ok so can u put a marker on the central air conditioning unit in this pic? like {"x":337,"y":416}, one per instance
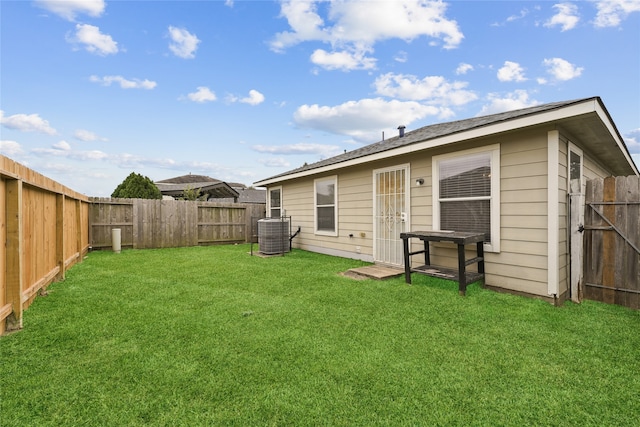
{"x":273,"y":235}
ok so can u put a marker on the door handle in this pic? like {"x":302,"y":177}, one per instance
{"x":580,"y":228}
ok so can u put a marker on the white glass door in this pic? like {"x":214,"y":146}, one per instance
{"x":391,"y":213}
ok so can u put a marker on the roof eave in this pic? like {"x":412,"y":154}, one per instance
{"x":586,"y":106}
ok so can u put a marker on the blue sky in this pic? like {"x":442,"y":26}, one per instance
{"x":91,"y":91}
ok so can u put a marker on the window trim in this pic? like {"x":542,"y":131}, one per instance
{"x":494,"y":200}
{"x":334,"y":179}
{"x":279,"y":187}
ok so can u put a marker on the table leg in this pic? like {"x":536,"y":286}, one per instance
{"x":407,"y":260}
{"x":427,"y":256}
{"x":462,"y":274}
{"x":480,"y":252}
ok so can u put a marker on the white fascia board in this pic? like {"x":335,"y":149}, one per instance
{"x":585,"y":107}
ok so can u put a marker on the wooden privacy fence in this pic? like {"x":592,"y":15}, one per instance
{"x":44,"y":227}
{"x":612,"y":241}
{"x":147,"y":224}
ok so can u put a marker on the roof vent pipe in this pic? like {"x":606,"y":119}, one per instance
{"x":401,"y":129}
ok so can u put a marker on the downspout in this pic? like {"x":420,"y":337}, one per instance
{"x":292,"y":236}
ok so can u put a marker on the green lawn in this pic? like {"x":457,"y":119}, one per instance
{"x":209,"y":336}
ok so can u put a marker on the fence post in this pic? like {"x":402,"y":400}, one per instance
{"x":78,"y":220}
{"x":609,"y":242}
{"x":14,"y":253}
{"x":60,"y":250}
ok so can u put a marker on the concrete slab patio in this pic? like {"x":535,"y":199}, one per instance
{"x":379,"y":272}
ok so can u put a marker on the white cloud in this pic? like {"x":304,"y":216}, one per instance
{"x":300,"y":148}
{"x":228,"y":3}
{"x":567,"y":17}
{"x":124,"y":83}
{"x":69,"y":9}
{"x":612,"y":12}
{"x":93,"y":40}
{"x":10,"y":148}
{"x":523,"y":13}
{"x":87,"y":136}
{"x":278,"y":162}
{"x":303,"y":20}
{"x":343,"y":60}
{"x":511,"y":72}
{"x":364,"y":120}
{"x":561,"y":69}
{"x":203,"y":94}
{"x":512,"y":101}
{"x":254,"y":98}
{"x":27,"y":123}
{"x":62,"y":145}
{"x":464,"y":68}
{"x":353,"y":27}
{"x":433,"y":89}
{"x":401,"y":57}
{"x":632,"y":141}
{"x":59,"y":150}
{"x":183,"y":43}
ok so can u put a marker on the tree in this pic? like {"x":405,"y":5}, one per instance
{"x":136,"y":186}
{"x":193,"y":194}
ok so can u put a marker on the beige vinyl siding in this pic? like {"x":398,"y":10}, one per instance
{"x":522,"y":263}
{"x":297,"y":201}
{"x":355,"y":214}
{"x":593,"y":169}
{"x":421,"y":196}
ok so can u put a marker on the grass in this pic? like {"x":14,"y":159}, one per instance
{"x":212,"y":336}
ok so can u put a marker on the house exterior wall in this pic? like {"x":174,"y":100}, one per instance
{"x":522,"y":265}
{"x":354,"y":214}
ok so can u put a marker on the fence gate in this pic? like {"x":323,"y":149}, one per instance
{"x":612,"y":241}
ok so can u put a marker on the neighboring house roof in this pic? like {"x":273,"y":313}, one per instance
{"x":585,"y":119}
{"x":188,"y":179}
{"x":236,"y":185}
{"x":251,"y":195}
{"x":216,"y":190}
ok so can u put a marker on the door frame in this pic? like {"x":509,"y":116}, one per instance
{"x":575,"y":227}
{"x":405,"y":215}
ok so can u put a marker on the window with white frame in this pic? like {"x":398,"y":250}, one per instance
{"x":326,"y":206}
{"x":467,"y":193}
{"x":275,"y":202}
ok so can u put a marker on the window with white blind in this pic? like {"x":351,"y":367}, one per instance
{"x":467,"y":193}
{"x":326,"y":206}
{"x":275,"y":202}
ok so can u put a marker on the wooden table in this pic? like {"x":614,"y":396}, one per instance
{"x":462,"y":276}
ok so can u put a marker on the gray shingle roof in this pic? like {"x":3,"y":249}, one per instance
{"x":431,"y":132}
{"x":250,"y":195}
{"x":215,"y":189}
{"x":188,"y":179}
